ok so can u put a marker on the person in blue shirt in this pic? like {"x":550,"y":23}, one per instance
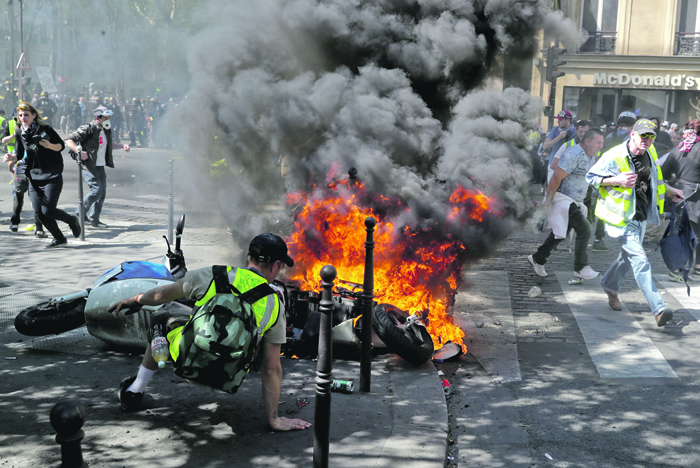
{"x":559,"y":134}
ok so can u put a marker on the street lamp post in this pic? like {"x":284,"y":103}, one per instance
{"x":11,"y":23}
{"x":20,"y":88}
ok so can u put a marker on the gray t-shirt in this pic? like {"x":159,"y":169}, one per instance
{"x":196,"y":284}
{"x":576,"y":163}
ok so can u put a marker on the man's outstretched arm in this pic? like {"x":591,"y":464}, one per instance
{"x":271,"y":372}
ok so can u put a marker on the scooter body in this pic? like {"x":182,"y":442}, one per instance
{"x":90,"y":306}
{"x":125,"y":280}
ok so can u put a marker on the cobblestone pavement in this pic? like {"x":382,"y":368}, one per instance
{"x":560,"y":379}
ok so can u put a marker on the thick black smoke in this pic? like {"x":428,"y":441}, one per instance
{"x":386,"y":87}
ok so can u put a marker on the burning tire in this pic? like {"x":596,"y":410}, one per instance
{"x":51,"y":318}
{"x":390,"y":324}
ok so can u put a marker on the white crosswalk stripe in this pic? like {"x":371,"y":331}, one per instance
{"x":618,"y":344}
{"x":484,"y":313}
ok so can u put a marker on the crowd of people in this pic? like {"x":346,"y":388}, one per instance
{"x":619,"y":178}
{"x":91,"y":119}
{"x":35,"y":160}
{"x":136,"y":119}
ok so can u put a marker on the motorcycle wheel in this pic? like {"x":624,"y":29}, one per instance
{"x":388,"y":323}
{"x":49,"y":318}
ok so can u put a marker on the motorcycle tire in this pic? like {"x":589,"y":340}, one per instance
{"x":51,"y":319}
{"x":387,"y":321}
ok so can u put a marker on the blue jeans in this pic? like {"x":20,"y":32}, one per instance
{"x":97,"y":182}
{"x":633,"y":257}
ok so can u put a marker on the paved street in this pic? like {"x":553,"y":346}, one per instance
{"x":181,"y":425}
{"x":563,"y":375}
{"x":558,"y":375}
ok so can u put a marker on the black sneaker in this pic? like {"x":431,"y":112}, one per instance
{"x":128,"y":401}
{"x":56,"y":243}
{"x":41,"y":234}
{"x":98,"y":225}
{"x":14,"y":227}
{"x":75,"y":226}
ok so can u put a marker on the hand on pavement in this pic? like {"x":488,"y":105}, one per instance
{"x":284,"y":424}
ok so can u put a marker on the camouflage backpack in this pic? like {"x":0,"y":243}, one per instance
{"x":221,"y":340}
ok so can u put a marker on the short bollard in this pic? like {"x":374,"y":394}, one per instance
{"x":67,"y":418}
{"x":324,"y":371}
{"x":367,"y":304}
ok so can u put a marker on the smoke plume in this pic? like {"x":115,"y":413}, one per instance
{"x":312,"y":87}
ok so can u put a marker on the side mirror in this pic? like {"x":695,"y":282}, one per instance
{"x":180,"y":226}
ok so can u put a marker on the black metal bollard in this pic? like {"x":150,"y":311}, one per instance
{"x":68,"y":418}
{"x":81,"y":206}
{"x":367,"y":302}
{"x":324,"y":367}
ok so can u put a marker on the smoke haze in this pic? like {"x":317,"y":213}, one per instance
{"x":390,"y":88}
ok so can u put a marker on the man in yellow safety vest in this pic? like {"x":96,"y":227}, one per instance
{"x":631,"y":192}
{"x":267,"y":255}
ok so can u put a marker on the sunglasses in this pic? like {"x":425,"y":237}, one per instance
{"x":689,"y":130}
{"x":647,"y":136}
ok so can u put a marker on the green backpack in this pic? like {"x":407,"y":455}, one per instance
{"x":221,"y":340}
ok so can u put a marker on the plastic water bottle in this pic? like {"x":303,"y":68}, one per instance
{"x":159,"y":346}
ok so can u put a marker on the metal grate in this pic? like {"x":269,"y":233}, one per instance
{"x":599,"y":42}
{"x":688,"y":44}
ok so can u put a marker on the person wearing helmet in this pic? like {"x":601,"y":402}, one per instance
{"x":137,"y":123}
{"x":47,"y":107}
{"x":96,"y":140}
{"x":625,"y":121}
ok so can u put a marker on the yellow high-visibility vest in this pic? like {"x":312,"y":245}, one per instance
{"x":615,"y":203}
{"x":265,"y":310}
{"x":11,"y":125}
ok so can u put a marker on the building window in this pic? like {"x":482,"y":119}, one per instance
{"x":688,"y":29}
{"x":599,"y":25}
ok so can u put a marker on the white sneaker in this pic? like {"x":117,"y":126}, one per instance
{"x":586,"y":273}
{"x":539,"y":269}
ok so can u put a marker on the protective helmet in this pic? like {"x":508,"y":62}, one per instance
{"x":44,"y":93}
{"x":627,"y":114}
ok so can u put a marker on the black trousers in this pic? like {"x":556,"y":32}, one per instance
{"x":44,"y":195}
{"x":582,"y":227}
{"x":20,"y":186}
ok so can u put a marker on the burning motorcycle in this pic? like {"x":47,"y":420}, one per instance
{"x":402,"y":333}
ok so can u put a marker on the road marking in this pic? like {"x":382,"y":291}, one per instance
{"x":680,"y":292}
{"x":618,"y":344}
{"x":483,"y":310}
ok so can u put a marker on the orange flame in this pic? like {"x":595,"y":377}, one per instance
{"x":414,"y":269}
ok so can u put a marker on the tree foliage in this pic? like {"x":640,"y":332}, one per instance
{"x":112,"y":41}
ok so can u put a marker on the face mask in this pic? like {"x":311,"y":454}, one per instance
{"x":107,"y":124}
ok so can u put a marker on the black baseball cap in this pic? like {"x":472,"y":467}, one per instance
{"x":643,"y":126}
{"x":269,"y":248}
